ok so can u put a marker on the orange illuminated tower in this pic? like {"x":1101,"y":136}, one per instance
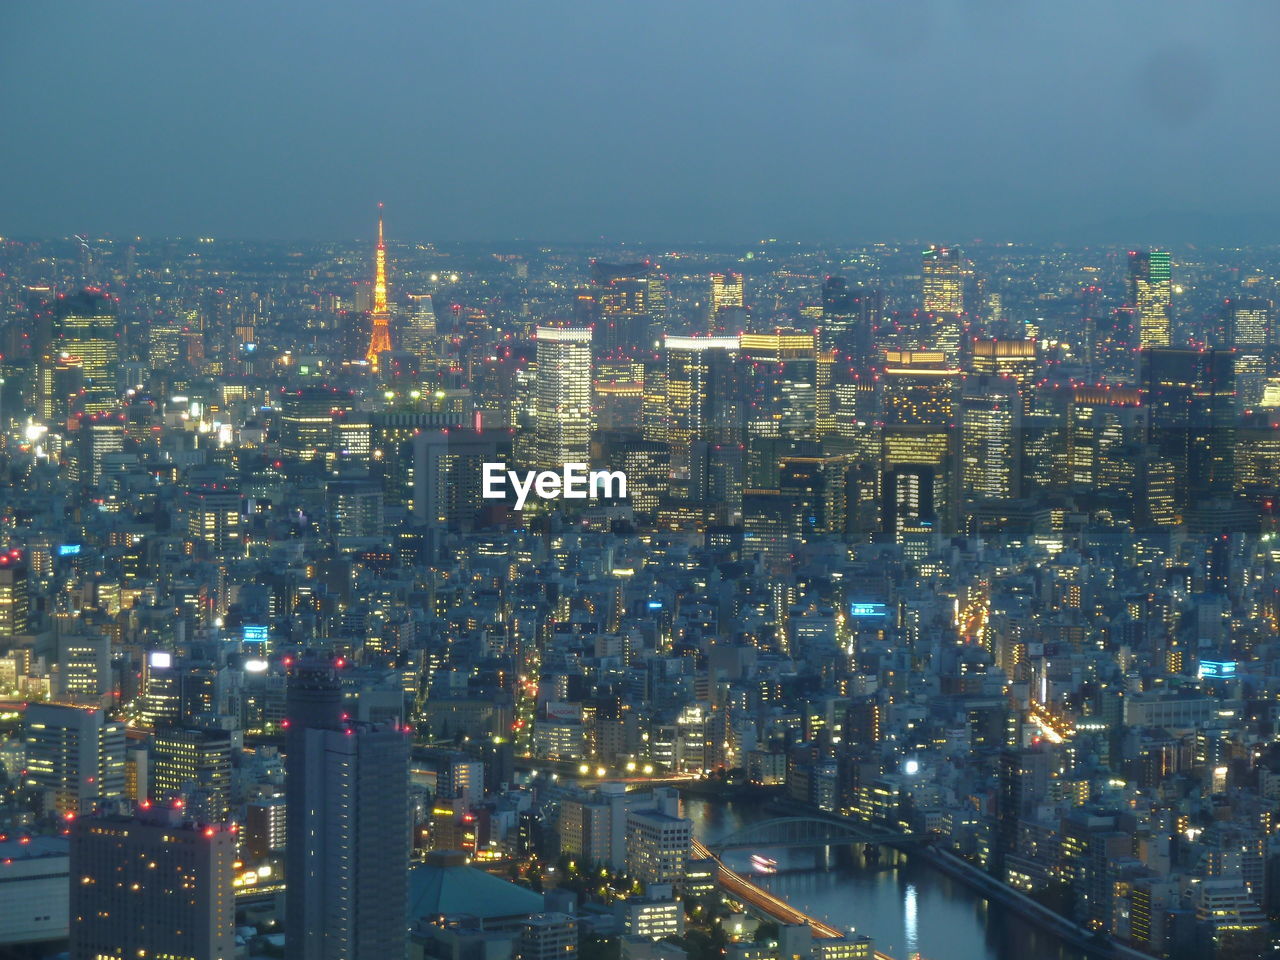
{"x":380,"y":334}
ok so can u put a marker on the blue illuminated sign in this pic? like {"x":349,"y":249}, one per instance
{"x":68,"y":549}
{"x":868,"y":610}
{"x":1217,"y":669}
{"x":255,"y":633}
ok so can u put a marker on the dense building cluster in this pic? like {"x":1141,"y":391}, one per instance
{"x":975,"y":547}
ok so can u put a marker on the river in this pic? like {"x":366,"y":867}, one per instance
{"x":904,"y":904}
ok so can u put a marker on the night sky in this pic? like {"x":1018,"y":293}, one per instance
{"x":656,"y":121}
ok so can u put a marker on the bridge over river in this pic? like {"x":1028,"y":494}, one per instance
{"x":761,"y":901}
{"x":808,"y":830}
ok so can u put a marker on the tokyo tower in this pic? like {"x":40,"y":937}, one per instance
{"x":380,"y":334}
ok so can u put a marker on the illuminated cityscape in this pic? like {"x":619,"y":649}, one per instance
{"x":874,"y":593}
{"x":1004,"y":608}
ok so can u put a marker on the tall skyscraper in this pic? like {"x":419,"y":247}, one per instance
{"x":919,"y":438}
{"x":75,"y":757}
{"x":166,"y":346}
{"x":60,"y":380}
{"x":1151,"y":296}
{"x":1016,"y":360}
{"x":1248,"y":330}
{"x":782,"y":378}
{"x":622,"y":294}
{"x":448,"y":476}
{"x":98,"y":435}
{"x":306,"y":420}
{"x":942,"y":294}
{"x":420,"y":329}
{"x":213,"y":519}
{"x":562,"y":397}
{"x":1111,"y":341}
{"x":990,"y":440}
{"x":1192,"y":402}
{"x":347,"y":793}
{"x":942,"y":280}
{"x":702,"y":398}
{"x":161,"y":690}
{"x":86,"y":326}
{"x":728,"y":297}
{"x":380,"y":317}
{"x":837,"y":304}
{"x":391,"y":450}
{"x":156,"y":885}
{"x":850,"y":316}
{"x":1102,"y":427}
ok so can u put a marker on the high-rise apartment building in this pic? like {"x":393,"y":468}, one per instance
{"x":157,"y":885}
{"x":15,"y":594}
{"x":84,"y":666}
{"x":213,"y":519}
{"x":75,"y":757}
{"x":347,"y":795}
{"x":658,"y":840}
{"x":265,"y":826}
{"x":595,"y":828}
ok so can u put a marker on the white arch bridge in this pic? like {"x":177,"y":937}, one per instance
{"x":808,"y":831}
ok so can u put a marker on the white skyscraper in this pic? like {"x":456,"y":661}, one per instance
{"x":562,"y":396}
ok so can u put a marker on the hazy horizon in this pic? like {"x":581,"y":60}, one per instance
{"x":576,"y":122}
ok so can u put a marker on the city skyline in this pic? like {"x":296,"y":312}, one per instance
{"x":681,"y":481}
{"x":939,"y":548}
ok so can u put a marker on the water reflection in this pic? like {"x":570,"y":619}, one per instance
{"x":910,"y":919}
{"x":904,"y":904}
